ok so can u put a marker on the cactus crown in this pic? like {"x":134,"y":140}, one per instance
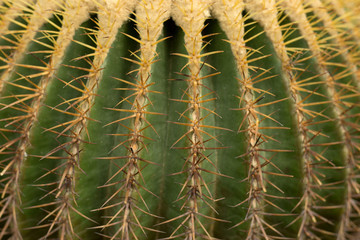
{"x":192,"y":119}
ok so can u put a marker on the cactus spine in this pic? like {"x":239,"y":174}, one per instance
{"x":179,"y":119}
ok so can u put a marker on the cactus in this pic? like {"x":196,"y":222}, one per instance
{"x":179,"y":119}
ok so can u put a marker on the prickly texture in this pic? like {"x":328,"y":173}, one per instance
{"x":173,"y":119}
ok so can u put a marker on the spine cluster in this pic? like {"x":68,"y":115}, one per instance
{"x":319,"y":64}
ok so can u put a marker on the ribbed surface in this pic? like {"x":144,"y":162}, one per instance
{"x":196,"y":119}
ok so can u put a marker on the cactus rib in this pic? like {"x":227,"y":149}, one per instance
{"x":118,"y":119}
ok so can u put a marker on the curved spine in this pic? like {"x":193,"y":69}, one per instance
{"x":297,"y":14}
{"x":11,"y":192}
{"x":338,"y":37}
{"x":266,"y":13}
{"x":12,"y":10}
{"x":43,"y":10}
{"x":150,"y":16}
{"x":111,"y":17}
{"x":233,"y":24}
{"x":190,"y":16}
{"x":47,"y":73}
{"x":348,"y":14}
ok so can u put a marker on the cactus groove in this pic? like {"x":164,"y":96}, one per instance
{"x":179,"y":119}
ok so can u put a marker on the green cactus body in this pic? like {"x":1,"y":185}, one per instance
{"x":179,"y":119}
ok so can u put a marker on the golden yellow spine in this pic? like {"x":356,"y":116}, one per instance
{"x":43,"y":10}
{"x":190,"y":16}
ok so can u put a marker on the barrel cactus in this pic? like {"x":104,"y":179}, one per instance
{"x":179,"y":119}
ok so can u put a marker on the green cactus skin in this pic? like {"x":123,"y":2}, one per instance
{"x":179,"y":119}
